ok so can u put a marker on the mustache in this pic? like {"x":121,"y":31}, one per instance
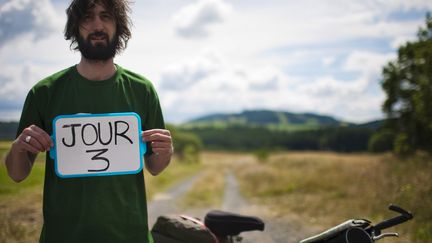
{"x":98,"y":34}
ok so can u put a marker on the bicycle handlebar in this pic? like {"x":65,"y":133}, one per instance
{"x":405,"y":216}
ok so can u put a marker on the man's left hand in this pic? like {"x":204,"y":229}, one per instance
{"x":160,"y":141}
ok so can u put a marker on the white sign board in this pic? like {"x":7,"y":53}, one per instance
{"x":97,"y":144}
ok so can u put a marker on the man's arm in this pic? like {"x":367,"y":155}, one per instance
{"x":19,"y":161}
{"x":161,"y":143}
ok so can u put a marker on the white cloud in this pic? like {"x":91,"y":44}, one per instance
{"x":183,"y":75}
{"x":15,"y":81}
{"x":327,"y":61}
{"x":31,"y":47}
{"x":351,"y":100}
{"x":194,"y":20}
{"x":266,"y":78}
{"x":401,"y":40}
{"x":402,"y":5}
{"x":369,"y":64}
{"x":18,"y":17}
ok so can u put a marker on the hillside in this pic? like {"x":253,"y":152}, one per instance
{"x":274,"y":130}
{"x":8,"y":130}
{"x":278,"y":120}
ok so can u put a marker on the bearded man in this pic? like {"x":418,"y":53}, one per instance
{"x":97,"y":208}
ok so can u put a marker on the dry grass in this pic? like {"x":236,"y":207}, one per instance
{"x":327,"y":188}
{"x":207,"y":191}
{"x":20,"y":203}
{"x":174,"y":173}
{"x":323,"y":189}
{"x":21,"y":218}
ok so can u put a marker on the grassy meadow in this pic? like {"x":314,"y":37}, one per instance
{"x":322,"y":189}
{"x":20,"y":204}
{"x":325,"y":189}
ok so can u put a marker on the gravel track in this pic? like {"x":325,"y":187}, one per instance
{"x":277,"y":229}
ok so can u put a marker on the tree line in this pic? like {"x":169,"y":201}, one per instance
{"x":244,"y":138}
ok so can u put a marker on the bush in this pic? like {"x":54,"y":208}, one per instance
{"x":262,"y":154}
{"x":381,"y":141}
{"x":187,"y":146}
{"x":190,"y":154}
{"x":402,"y":146}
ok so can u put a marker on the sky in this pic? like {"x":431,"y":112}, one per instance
{"x":227,"y":56}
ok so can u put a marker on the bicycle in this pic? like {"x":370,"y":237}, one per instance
{"x":226,"y":227}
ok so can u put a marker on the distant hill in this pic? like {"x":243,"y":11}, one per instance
{"x":372,"y":124}
{"x":278,"y":120}
{"x":279,"y":130}
{"x":274,"y":120}
{"x":8,"y":130}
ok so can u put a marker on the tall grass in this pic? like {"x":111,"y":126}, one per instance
{"x":324,"y":189}
{"x":327,"y":188}
{"x":20,"y":203}
{"x":207,"y":191}
{"x":176,"y":172}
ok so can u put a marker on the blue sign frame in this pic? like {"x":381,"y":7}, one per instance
{"x":54,"y":155}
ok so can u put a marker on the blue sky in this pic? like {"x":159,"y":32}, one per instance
{"x":213,"y":56}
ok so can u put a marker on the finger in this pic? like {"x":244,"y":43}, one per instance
{"x":35,"y":139}
{"x":45,"y":136}
{"x":153,"y":131}
{"x":27,"y":147}
{"x":157,"y":137}
{"x":42,"y":137}
{"x":160,"y":145}
{"x":162,"y":151}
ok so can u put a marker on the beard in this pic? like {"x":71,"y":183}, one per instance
{"x":100,"y":51}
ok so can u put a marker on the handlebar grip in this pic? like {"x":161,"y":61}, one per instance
{"x":400,"y":210}
{"x":390,"y":223}
{"x":405,"y":216}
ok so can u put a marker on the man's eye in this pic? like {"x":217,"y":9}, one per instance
{"x":106,"y":16}
{"x":87,"y":17}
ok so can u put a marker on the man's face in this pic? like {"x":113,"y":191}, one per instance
{"x":97,"y":34}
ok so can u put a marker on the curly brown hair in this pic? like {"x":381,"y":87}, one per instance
{"x":119,"y":9}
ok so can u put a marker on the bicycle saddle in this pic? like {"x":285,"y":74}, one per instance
{"x":225,"y":223}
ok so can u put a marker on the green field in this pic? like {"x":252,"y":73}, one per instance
{"x":322,"y":189}
{"x":327,"y":188}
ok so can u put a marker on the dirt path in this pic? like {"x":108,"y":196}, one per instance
{"x":277,"y":229}
{"x":167,"y":202}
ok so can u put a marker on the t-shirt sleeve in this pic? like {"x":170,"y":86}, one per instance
{"x":154,"y":118}
{"x":30,"y":114}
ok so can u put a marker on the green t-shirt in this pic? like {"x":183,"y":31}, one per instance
{"x":101,"y":208}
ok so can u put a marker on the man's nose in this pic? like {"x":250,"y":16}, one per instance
{"x":97,"y":24}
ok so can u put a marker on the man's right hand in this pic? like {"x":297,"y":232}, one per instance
{"x":34,"y":140}
{"x":27,"y":145}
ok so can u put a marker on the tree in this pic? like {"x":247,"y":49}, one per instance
{"x":187,"y":146}
{"x":381,"y":141}
{"x":407,"y":83}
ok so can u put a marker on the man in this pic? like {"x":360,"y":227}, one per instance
{"x":98,"y":208}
